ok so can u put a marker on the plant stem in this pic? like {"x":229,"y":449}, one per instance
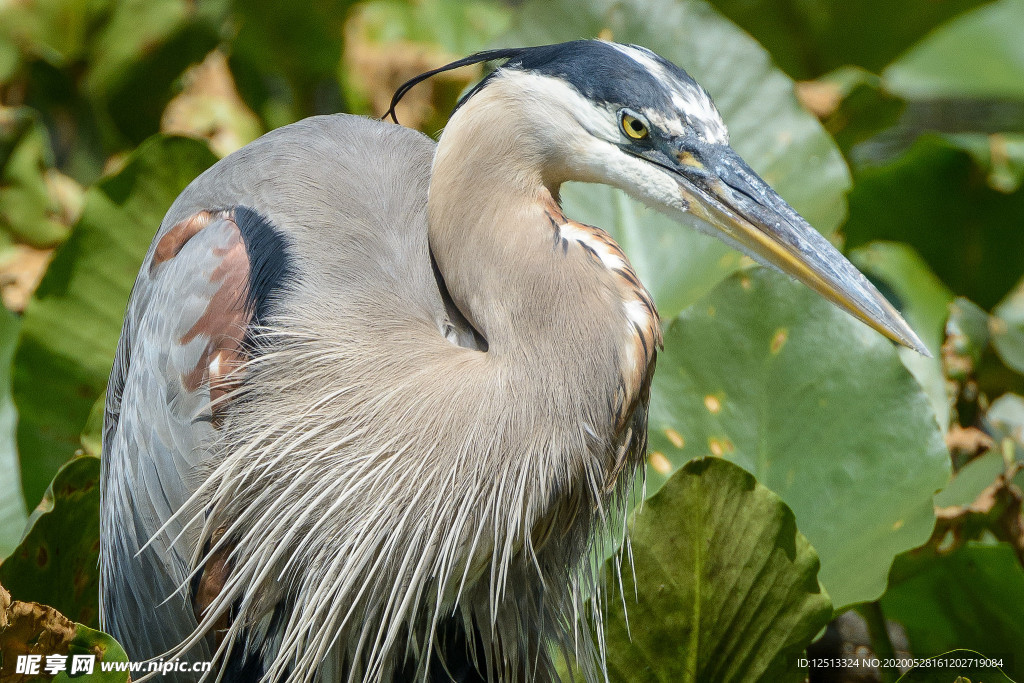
{"x":880,"y":643}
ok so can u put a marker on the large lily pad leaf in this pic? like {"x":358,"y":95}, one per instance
{"x":72,"y":323}
{"x":979,"y":54}
{"x":56,"y":563}
{"x":934,"y":198}
{"x":808,"y":38}
{"x":815,"y":404}
{"x":724,"y":586}
{"x":971,"y":598}
{"x":767,"y":126}
{"x":924,"y":302}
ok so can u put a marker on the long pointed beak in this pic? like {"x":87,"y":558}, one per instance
{"x":748,"y":214}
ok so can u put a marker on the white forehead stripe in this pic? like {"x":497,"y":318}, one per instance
{"x":689,"y":100}
{"x":646,"y":59}
{"x":698,"y":108}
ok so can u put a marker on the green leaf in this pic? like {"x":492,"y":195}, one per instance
{"x":9,"y":59}
{"x":73,"y":122}
{"x":818,"y":406}
{"x":92,"y":433}
{"x":12,"y":503}
{"x":808,"y":38}
{"x":970,"y":75}
{"x":971,"y":598}
{"x":1006,"y":417}
{"x":971,"y":479}
{"x":457,"y":27}
{"x":955,"y":666}
{"x":979,"y":54}
{"x":1000,"y":155}
{"x":55,"y":30}
{"x":56,"y":563}
{"x":967,"y":330}
{"x":285,"y":60}
{"x":767,"y":126}
{"x":924,"y":302}
{"x":725,"y":584}
{"x":102,"y":71}
{"x":934,"y":198}
{"x":138,"y":54}
{"x":88,"y":641}
{"x":28,"y":212}
{"x":862,"y":109}
{"x":1008,"y":328}
{"x":73,"y":321}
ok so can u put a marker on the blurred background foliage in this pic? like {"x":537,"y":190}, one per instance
{"x":897,"y":129}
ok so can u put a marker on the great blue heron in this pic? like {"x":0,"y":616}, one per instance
{"x":374,"y":399}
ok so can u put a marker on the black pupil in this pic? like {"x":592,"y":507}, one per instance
{"x":636,"y":126}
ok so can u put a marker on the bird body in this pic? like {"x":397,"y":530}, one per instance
{"x":381,"y":320}
{"x":376,"y":401}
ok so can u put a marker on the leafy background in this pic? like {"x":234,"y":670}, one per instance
{"x":807,"y":481}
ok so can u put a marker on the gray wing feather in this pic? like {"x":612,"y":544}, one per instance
{"x":155,"y":436}
{"x":349,"y":194}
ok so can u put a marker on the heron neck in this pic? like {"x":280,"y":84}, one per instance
{"x":491,"y":232}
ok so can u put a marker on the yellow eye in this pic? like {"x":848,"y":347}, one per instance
{"x":634,"y":127}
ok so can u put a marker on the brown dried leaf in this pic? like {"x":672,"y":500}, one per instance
{"x":28,"y":628}
{"x":967,"y":443}
{"x":821,"y":98}
{"x":998,"y":508}
{"x":21,"y":274}
{"x":376,"y":69}
{"x":67,"y":194}
{"x":209,"y":107}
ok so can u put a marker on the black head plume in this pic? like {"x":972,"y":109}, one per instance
{"x":477,"y":58}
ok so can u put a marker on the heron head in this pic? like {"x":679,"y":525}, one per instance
{"x":624,"y":116}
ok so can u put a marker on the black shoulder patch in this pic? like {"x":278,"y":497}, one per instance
{"x":271,"y":265}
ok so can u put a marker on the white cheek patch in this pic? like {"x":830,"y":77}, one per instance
{"x":649,"y":183}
